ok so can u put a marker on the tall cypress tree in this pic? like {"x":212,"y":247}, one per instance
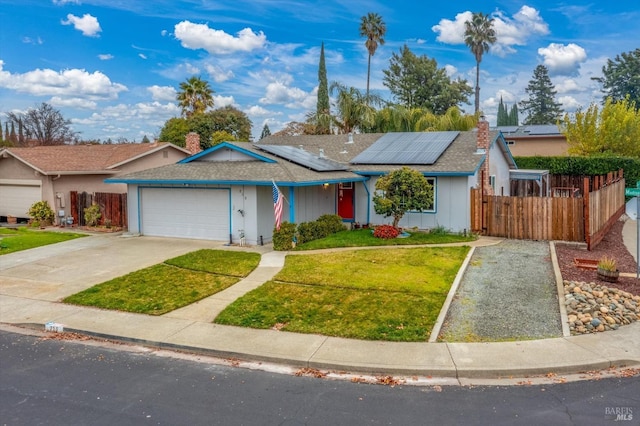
{"x":6,"y":131}
{"x":541,"y":107}
{"x":12,"y":135}
{"x":503,"y":116}
{"x":323,"y":109}
{"x":513,"y":116}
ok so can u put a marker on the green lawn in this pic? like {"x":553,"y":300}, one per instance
{"x":385,"y":294}
{"x":22,"y":238}
{"x":364,"y":238}
{"x":170,"y":285}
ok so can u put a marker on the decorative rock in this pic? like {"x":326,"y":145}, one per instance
{"x":593,"y":308}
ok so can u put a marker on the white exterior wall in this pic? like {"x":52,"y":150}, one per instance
{"x":311,"y":202}
{"x":452,"y":207}
{"x":499,"y":168}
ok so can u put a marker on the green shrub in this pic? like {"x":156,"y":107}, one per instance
{"x":331,"y":223}
{"x":588,"y":166}
{"x":41,"y":213}
{"x":284,"y":237}
{"x":307,"y":231}
{"x":92,"y":215}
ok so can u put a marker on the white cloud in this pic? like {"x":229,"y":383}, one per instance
{"x":73,"y":103}
{"x":105,"y":56}
{"x":510,"y":32}
{"x":69,"y":83}
{"x":450,"y":70}
{"x":569,"y":103}
{"x":142,"y":55}
{"x":292,"y":97}
{"x":562,"y":59}
{"x":258,"y":111}
{"x":63,"y":2}
{"x":162,"y":93}
{"x":569,"y":85}
{"x":452,"y":32}
{"x":87,"y":24}
{"x":200,"y":36}
{"x":218,"y":74}
{"x":29,"y":40}
{"x":223,"y":101}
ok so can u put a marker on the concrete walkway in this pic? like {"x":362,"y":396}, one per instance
{"x":32,"y":282}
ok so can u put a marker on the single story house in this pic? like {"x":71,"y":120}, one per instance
{"x":225,"y":192}
{"x":50,"y":173}
{"x":544,"y":140}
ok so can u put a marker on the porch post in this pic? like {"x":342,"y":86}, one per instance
{"x":292,"y":202}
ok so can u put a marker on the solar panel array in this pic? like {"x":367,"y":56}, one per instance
{"x":507,"y":129}
{"x":304,"y":158}
{"x":407,"y":148}
{"x":542,"y":129}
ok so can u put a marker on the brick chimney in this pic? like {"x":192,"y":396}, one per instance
{"x":483,"y":146}
{"x":193,"y":142}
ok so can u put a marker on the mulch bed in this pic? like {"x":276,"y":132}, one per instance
{"x":611,"y":246}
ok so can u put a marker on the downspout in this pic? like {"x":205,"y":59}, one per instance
{"x":366,"y":188}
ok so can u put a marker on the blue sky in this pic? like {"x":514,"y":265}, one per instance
{"x":113,"y":66}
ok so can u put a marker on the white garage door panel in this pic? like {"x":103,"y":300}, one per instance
{"x":185,"y":213}
{"x":16,"y":200}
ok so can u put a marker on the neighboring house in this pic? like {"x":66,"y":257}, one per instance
{"x":535,"y":140}
{"x":50,"y":173}
{"x":225,"y":192}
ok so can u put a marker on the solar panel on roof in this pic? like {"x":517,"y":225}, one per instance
{"x":542,"y":129}
{"x":507,"y":129}
{"x":407,"y":148}
{"x":304,"y":158}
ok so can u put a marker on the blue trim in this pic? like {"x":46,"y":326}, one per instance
{"x":140,"y":188}
{"x":231,"y":182}
{"x":225,"y":145}
{"x":292,"y":203}
{"x":428,"y":173}
{"x":366,"y":188}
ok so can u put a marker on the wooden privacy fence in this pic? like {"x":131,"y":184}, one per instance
{"x":584,"y":219}
{"x":113,"y":207}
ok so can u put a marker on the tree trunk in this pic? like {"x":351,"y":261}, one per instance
{"x":477,"y":87}
{"x":368,"y":75}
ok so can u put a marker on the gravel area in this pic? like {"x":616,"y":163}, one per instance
{"x":508,"y":292}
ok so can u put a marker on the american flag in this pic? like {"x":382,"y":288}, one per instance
{"x":277,"y":204}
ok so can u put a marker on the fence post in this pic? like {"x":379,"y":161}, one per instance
{"x":585,"y":198}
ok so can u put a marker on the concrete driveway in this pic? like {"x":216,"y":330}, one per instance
{"x":59,"y":270}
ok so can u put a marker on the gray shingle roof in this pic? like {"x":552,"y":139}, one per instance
{"x":460,"y":158}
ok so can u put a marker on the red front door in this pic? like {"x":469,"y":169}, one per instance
{"x":345,"y":201}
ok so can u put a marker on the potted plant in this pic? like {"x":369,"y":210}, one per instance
{"x":607,"y":269}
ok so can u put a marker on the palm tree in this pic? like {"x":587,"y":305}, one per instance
{"x":479,"y":35}
{"x":354,"y":111}
{"x":373,"y":28}
{"x":195,"y":96}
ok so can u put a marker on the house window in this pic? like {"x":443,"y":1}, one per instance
{"x":432,"y":207}
{"x":165,"y":154}
{"x":492,"y":182}
{"x":346,"y":185}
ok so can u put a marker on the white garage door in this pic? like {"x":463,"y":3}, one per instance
{"x":17,"y":199}
{"x":185,"y":213}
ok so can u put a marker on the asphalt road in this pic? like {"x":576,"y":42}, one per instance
{"x":58,"y":382}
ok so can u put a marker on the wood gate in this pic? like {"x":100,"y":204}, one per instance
{"x":113,"y":207}
{"x":581,"y":219}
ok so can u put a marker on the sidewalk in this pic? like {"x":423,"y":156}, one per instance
{"x":190,"y":328}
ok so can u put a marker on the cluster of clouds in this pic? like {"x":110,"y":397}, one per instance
{"x":278,"y":96}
